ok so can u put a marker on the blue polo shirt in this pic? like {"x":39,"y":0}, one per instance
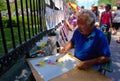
{"x":92,"y":46}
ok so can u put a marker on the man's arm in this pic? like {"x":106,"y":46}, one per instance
{"x":88,"y":63}
{"x":68,"y":46}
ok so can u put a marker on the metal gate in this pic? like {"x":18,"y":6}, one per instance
{"x":22,"y":23}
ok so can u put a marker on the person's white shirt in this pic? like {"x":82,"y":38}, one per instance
{"x":101,"y":10}
{"x":117,"y":16}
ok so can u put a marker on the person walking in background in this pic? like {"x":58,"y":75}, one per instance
{"x":72,"y":21}
{"x":106,"y":19}
{"x":116,"y":21}
{"x":90,"y":44}
{"x":96,"y":12}
{"x":82,"y":8}
{"x":101,"y":9}
{"x":118,"y":41}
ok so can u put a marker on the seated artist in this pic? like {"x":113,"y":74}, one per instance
{"x":90,"y":44}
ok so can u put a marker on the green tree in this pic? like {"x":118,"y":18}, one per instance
{"x":2,"y":5}
{"x":73,"y":1}
{"x":106,"y":2}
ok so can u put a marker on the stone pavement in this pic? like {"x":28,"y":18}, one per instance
{"x":115,"y":55}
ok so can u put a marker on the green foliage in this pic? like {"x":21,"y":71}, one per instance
{"x":2,"y":5}
{"x":6,"y":23}
{"x":24,"y":4}
{"x":106,"y":2}
{"x":73,"y":1}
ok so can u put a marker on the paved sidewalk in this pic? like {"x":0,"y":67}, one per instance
{"x":115,"y":53}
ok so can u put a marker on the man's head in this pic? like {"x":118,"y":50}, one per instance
{"x":107,"y":7}
{"x":85,"y":22}
{"x":82,"y":7}
{"x":118,"y":7}
{"x":94,"y":7}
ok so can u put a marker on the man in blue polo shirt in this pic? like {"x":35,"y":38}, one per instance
{"x":90,"y":44}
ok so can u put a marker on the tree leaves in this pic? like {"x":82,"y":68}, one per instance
{"x":2,"y":5}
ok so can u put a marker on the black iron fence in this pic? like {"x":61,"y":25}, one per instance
{"x":22,"y":23}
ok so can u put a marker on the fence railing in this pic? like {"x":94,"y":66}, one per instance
{"x":21,"y":25}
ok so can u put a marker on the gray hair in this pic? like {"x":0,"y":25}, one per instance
{"x":89,"y":14}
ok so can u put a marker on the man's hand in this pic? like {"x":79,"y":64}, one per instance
{"x":88,"y":63}
{"x":83,"y":65}
{"x":62,"y":50}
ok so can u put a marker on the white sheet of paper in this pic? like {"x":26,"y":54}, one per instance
{"x":48,"y":72}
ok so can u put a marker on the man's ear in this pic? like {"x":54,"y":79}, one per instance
{"x":92,"y":24}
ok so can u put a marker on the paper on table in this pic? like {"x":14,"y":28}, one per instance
{"x":48,"y":71}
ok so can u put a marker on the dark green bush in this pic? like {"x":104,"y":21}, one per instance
{"x":6,"y":22}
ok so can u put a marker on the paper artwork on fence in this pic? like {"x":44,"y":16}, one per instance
{"x":49,"y":18}
{"x":59,"y":4}
{"x":47,"y":2}
{"x":48,"y":68}
{"x":53,"y":17}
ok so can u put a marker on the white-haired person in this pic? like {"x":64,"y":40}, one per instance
{"x":90,"y":44}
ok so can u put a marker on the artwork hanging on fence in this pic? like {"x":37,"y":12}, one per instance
{"x":53,"y":17}
{"x":59,"y":4}
{"x":47,"y":2}
{"x":48,"y":17}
